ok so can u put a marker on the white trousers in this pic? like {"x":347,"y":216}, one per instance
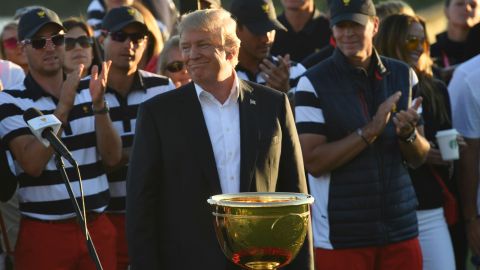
{"x":435,"y":241}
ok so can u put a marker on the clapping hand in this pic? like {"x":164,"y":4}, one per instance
{"x":406,"y":121}
{"x":98,"y":84}
{"x":277,"y":76}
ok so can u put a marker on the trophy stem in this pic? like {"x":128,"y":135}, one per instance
{"x":262,"y":265}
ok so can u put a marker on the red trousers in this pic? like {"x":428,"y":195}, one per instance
{"x":44,"y":245}
{"x":118,"y":221}
{"x":401,"y":256}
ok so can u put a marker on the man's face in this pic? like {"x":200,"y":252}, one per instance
{"x":296,"y":4}
{"x":205,"y":56}
{"x":118,"y":3}
{"x":256,"y":47}
{"x":46,"y":60}
{"x":125,"y":47}
{"x":354,"y":40}
{"x":463,"y":13}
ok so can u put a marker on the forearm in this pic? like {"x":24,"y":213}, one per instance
{"x":123,"y":161}
{"x":62,"y":112}
{"x":326,"y":157}
{"x":31,"y":154}
{"x":468,"y":178}
{"x":108,"y":141}
{"x":415,"y":152}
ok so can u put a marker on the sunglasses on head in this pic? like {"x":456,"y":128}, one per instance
{"x":10,"y":43}
{"x":175,"y":66}
{"x":412,"y":42}
{"x":84,"y":42}
{"x":122,"y":36}
{"x":40,"y":43}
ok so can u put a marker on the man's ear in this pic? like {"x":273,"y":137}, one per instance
{"x":231,"y":53}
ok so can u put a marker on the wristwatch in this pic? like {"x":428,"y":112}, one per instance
{"x":104,"y":110}
{"x":410,"y":138}
{"x":359,"y":132}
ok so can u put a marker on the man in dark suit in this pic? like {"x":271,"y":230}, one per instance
{"x":219,"y":134}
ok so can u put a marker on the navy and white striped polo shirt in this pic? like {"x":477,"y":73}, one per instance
{"x":45,"y":197}
{"x":123,"y":112}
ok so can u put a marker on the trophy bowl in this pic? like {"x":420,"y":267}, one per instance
{"x":261,"y":230}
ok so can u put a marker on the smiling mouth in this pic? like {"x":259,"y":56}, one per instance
{"x":49,"y":59}
{"x":79,"y":57}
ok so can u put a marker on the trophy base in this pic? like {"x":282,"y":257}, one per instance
{"x":262,"y":265}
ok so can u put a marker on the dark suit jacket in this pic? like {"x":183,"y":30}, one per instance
{"x":173,"y":172}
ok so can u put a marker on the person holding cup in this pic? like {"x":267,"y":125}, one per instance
{"x":432,"y":178}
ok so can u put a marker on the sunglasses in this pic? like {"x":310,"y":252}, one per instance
{"x":122,"y":36}
{"x":84,"y":42}
{"x":175,"y":66}
{"x":40,"y":43}
{"x":10,"y":43}
{"x":412,"y":42}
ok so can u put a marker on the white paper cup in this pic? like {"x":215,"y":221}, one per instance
{"x":447,"y":142}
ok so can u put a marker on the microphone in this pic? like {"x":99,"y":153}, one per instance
{"x":44,"y":128}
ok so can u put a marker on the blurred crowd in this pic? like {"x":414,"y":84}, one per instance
{"x":366,"y":95}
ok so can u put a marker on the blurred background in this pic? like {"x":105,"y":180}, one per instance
{"x":431,"y":10}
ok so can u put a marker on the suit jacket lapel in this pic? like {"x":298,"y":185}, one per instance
{"x":198,"y":138}
{"x":249,"y":135}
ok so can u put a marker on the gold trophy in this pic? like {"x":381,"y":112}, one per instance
{"x":261,"y":230}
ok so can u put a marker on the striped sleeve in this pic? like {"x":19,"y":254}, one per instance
{"x":308,"y":112}
{"x":11,"y":119}
{"x":95,"y":14}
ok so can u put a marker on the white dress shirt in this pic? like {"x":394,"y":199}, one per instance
{"x":223,"y":124}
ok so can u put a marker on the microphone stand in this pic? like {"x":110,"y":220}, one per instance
{"x":80,"y":217}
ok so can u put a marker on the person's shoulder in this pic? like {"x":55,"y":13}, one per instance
{"x":296,"y":69}
{"x":259,"y":90}
{"x":9,"y":65}
{"x":96,"y":6}
{"x":171,"y":98}
{"x":151,"y":79}
{"x":470,"y":65}
{"x":17,"y":92}
{"x":323,"y":67}
{"x":320,"y":18}
{"x":11,"y":75}
{"x":394,"y":65}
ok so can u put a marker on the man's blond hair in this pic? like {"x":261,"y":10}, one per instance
{"x":217,"y":22}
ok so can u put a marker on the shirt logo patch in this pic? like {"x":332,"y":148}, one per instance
{"x":265,"y":8}
{"x":41,"y":14}
{"x":346,"y":2}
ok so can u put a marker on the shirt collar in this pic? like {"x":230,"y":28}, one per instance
{"x":376,"y":64}
{"x":34,"y":90}
{"x":137,"y":85}
{"x":234,"y":91}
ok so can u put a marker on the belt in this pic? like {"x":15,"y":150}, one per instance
{"x":91,"y":216}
